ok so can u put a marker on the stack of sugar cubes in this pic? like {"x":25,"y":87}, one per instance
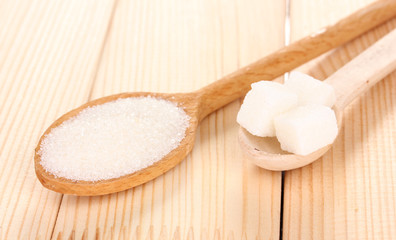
{"x":297,"y":112}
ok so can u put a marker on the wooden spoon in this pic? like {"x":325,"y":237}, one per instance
{"x":349,"y":82}
{"x":200,"y":103}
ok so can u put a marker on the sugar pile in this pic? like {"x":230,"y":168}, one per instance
{"x":114,"y":139}
{"x":298,"y":113}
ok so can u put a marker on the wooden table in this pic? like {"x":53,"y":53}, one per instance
{"x":56,"y":55}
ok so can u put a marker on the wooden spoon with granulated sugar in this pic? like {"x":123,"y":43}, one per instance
{"x":200,"y":103}
{"x":349,"y":82}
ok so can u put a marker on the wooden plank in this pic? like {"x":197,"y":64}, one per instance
{"x":178,"y":46}
{"x":48,"y":55}
{"x":310,"y":16}
{"x":349,"y":193}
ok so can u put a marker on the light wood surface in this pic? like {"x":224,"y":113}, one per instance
{"x":349,"y":193}
{"x":57,"y":55}
{"x":211,"y":193}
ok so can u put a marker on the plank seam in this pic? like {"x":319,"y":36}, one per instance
{"x":287,"y":33}
{"x":56,"y":217}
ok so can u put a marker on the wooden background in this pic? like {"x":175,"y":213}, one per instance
{"x":56,"y":55}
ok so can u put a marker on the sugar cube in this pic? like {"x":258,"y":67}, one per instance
{"x":306,"y":129}
{"x":310,"y":90}
{"x":265,"y":100}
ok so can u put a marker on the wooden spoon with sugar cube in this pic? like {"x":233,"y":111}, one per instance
{"x":200,"y":103}
{"x":349,"y":82}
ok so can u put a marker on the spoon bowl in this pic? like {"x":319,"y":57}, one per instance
{"x":349,"y":82}
{"x":267,"y":153}
{"x":90,"y":188}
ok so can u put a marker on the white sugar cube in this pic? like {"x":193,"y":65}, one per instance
{"x":266,"y":100}
{"x":310,"y":90}
{"x":306,"y":129}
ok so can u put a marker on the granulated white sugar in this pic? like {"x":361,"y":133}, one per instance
{"x":114,"y":139}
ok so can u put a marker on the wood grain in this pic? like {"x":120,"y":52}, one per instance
{"x":300,"y":51}
{"x":213,"y":194}
{"x":364,"y":71}
{"x":349,"y":193}
{"x":56,"y":55}
{"x":48,"y":54}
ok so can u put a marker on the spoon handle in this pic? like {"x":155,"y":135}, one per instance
{"x":237,"y":84}
{"x":362,"y":72}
